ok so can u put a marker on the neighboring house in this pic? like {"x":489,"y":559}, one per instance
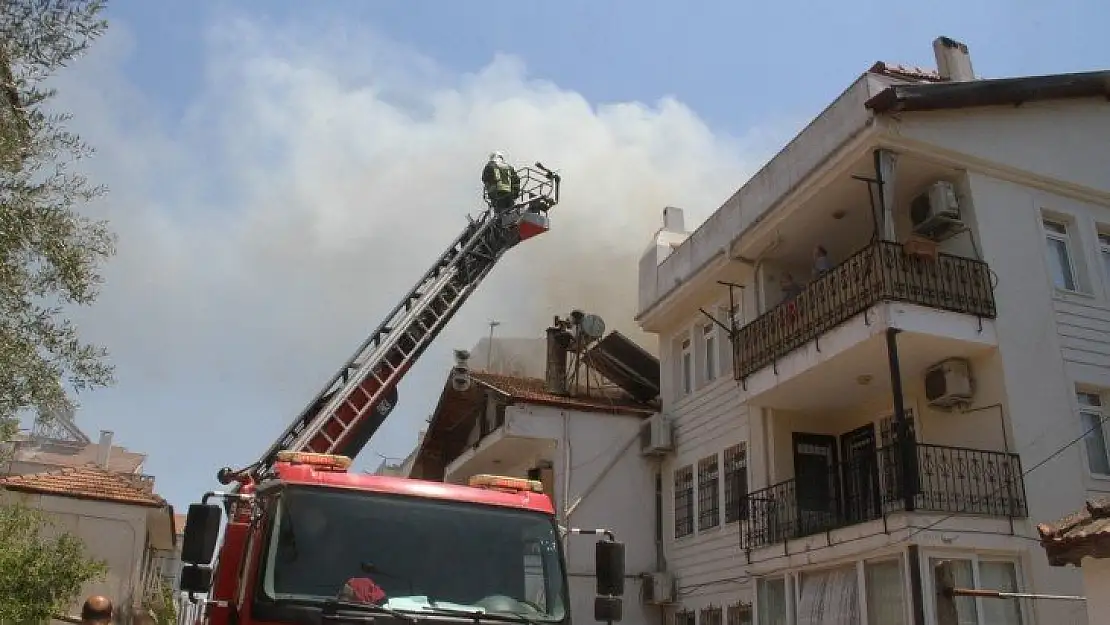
{"x":1082,"y":539}
{"x":120,"y":520}
{"x":510,"y":356}
{"x":584,"y":446}
{"x":926,"y":395}
{"x":404,"y":467}
{"x":57,"y":447}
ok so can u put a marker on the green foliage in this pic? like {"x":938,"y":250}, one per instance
{"x":41,"y":572}
{"x":162,"y":605}
{"x":49,"y":253}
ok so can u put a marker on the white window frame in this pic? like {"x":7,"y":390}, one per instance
{"x":686,"y":366}
{"x":927,"y":558}
{"x":1050,"y":233}
{"x":1103,"y":238}
{"x":1097,"y":411}
{"x":711,"y":366}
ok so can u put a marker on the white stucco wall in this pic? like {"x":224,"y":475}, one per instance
{"x":601,"y":455}
{"x":113,"y":533}
{"x":1020,"y":161}
{"x":1096,"y":587}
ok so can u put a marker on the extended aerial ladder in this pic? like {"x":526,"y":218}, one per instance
{"x":353,"y":404}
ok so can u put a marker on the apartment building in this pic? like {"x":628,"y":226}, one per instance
{"x":579,"y":431}
{"x":885,"y":357}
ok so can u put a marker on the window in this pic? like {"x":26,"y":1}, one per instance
{"x":684,"y":501}
{"x":1060,"y":265}
{"x":319,"y":537}
{"x":709,"y":492}
{"x":687,"y":368}
{"x":1104,"y":251}
{"x":736,"y":483}
{"x":709,"y":337}
{"x":975,"y":573}
{"x":710,"y":615}
{"x":772,"y":601}
{"x":829,"y":596}
{"x":739,"y":613}
{"x":886,"y":602}
{"x":1094,"y":437}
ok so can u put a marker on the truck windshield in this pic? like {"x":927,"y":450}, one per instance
{"x":413,"y":554}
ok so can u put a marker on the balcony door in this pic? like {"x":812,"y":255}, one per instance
{"x":815,"y":482}
{"x":860,"y":474}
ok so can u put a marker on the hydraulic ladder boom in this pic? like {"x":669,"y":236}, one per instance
{"x":354,"y":402}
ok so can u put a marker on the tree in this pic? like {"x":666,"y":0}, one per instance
{"x":41,"y":573}
{"x":49,"y":253}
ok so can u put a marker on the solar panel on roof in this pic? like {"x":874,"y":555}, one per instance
{"x":627,"y":365}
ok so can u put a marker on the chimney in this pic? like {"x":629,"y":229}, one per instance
{"x":674,"y":220}
{"x":953,"y":60}
{"x":555,"y":375}
{"x":104,"y":449}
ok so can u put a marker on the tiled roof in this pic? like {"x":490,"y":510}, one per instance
{"x":92,"y":483}
{"x":531,"y":390}
{"x":905,"y":72}
{"x":1082,"y":534}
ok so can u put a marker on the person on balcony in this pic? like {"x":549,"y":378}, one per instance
{"x":790,"y":287}
{"x":821,"y":262}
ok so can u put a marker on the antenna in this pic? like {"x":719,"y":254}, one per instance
{"x":584,"y":330}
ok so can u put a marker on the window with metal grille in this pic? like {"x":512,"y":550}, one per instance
{"x":736,"y":483}
{"x":711,"y":615}
{"x":684,"y":617}
{"x":709,"y":492}
{"x":684,"y":501}
{"x":739,"y":613}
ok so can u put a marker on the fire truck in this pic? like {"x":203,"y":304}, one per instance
{"x":298,"y":538}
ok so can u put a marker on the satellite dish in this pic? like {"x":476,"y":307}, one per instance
{"x":592,"y":326}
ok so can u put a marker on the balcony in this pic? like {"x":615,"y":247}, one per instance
{"x":946,"y":480}
{"x":882,"y":271}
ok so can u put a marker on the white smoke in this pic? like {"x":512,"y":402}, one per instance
{"x":316,"y":174}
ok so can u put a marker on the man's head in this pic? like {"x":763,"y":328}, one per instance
{"x":496,"y":157}
{"x":97,"y":609}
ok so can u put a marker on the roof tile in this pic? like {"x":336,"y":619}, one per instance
{"x":906,"y":72}
{"x":91,"y":482}
{"x":1082,"y":533}
{"x":532,"y":390}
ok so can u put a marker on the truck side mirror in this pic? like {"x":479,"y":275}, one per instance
{"x":195,"y":579}
{"x":608,"y":609}
{"x":609,"y":556}
{"x":202,"y":528}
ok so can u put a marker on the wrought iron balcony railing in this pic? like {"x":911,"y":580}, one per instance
{"x":881,"y":271}
{"x":953,"y":480}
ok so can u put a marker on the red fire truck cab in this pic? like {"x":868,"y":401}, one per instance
{"x":313,"y":543}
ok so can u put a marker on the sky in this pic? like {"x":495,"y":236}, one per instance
{"x":281,"y":172}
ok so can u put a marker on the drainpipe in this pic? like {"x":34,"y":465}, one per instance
{"x":566,"y":464}
{"x":757,"y":263}
{"x":907,"y":448}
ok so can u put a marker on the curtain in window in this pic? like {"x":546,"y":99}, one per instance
{"x":885,"y":598}
{"x":772,"y":602}
{"x":999,"y":576}
{"x":829,"y":598}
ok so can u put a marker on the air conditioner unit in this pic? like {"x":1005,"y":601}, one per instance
{"x":948,"y":383}
{"x":656,"y":435}
{"x":935,"y":212}
{"x":659,"y":588}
